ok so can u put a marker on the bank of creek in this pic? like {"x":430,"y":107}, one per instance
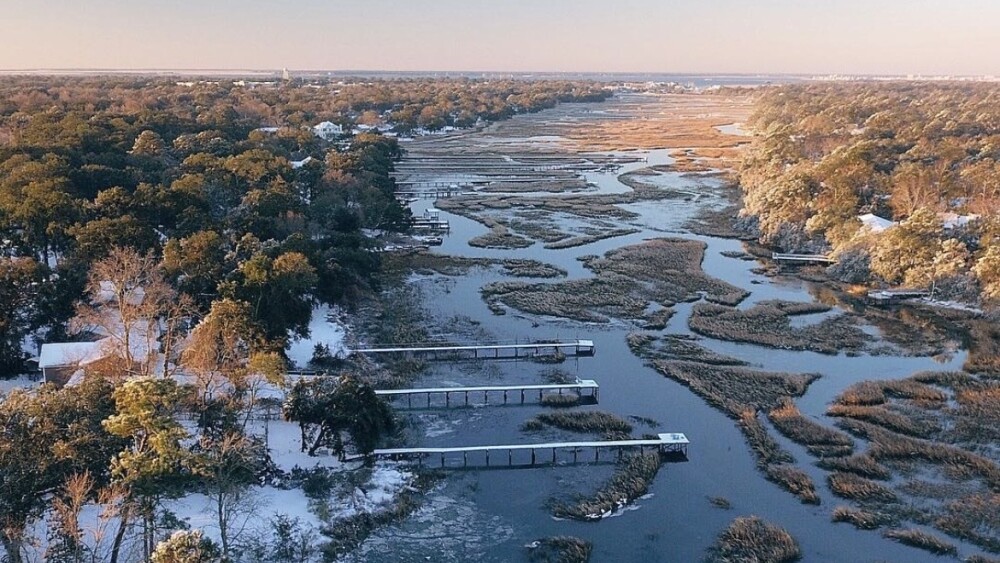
{"x":490,"y":514}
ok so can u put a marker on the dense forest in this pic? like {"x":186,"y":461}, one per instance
{"x":194,"y":226}
{"x":900,"y":181}
{"x":224,"y":184}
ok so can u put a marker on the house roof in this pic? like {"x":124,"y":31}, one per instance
{"x":56,"y":354}
{"x":875,"y":223}
{"x":142,"y":343}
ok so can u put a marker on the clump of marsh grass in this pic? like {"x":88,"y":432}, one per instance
{"x":561,"y":401}
{"x":768,"y":324}
{"x":589,"y":422}
{"x":922,"y":540}
{"x":975,"y":518}
{"x":855,"y":487}
{"x":559,"y":549}
{"x":735,"y":389}
{"x":861,"y":519}
{"x":860,"y":464}
{"x":792,"y":423}
{"x":720,"y":502}
{"x":882,"y":416}
{"x":753,"y":539}
{"x":793,"y":480}
{"x":630,"y":481}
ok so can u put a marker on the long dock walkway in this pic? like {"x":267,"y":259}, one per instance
{"x":567,"y":347}
{"x":785,"y":257}
{"x":664,"y":443}
{"x":589,"y":385}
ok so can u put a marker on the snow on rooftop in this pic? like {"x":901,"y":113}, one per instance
{"x":296,"y":164}
{"x":56,"y":354}
{"x":874,"y":223}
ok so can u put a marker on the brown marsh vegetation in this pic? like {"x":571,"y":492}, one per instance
{"x":664,"y":271}
{"x":631,"y":480}
{"x":861,"y":519}
{"x":589,"y":422}
{"x":818,"y":439}
{"x":559,"y":549}
{"x":751,"y":539}
{"x":922,"y":540}
{"x":422,"y":261}
{"x":768,"y":324}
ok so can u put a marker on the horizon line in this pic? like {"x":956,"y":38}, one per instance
{"x":182,"y":70}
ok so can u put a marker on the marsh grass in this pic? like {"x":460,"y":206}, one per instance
{"x":736,"y":389}
{"x":765,"y":449}
{"x":587,"y":422}
{"x":884,"y":417}
{"x":720,"y":502}
{"x":460,"y":265}
{"x":751,"y":539}
{"x":588,"y":239}
{"x":768,"y":324}
{"x":500,"y":237}
{"x":859,"y":464}
{"x":560,"y":549}
{"x":657,"y":320}
{"x":671,"y":268}
{"x":626,"y":281}
{"x":922,"y":540}
{"x":630,"y":481}
{"x":855,"y":487}
{"x":676,"y":347}
{"x":861,"y":519}
{"x":793,"y":480}
{"x":587,"y":300}
{"x":975,"y":518}
{"x":795,"y":426}
{"x":866,"y":393}
{"x":561,"y":401}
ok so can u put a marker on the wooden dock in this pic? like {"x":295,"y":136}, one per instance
{"x":429,"y":194}
{"x":435,"y":225}
{"x":527,"y":454}
{"x":584,"y":388}
{"x":529,"y":349}
{"x":785,"y":257}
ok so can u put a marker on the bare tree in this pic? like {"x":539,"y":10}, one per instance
{"x":129,"y":303}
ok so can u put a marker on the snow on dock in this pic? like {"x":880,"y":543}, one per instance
{"x":671,"y":443}
{"x":578,"y":387}
{"x":786,"y":257}
{"x":567,"y":347}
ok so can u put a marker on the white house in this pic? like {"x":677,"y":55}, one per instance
{"x":59,"y":360}
{"x":296,"y":164}
{"x":327,"y":130}
{"x":874,"y":223}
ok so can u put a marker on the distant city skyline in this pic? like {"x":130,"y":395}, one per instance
{"x":897,"y":37}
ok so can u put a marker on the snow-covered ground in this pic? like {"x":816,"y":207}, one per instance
{"x":324,"y":328}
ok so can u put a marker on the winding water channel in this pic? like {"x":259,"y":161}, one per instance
{"x":489,"y":514}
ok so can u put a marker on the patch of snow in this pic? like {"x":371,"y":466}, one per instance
{"x":324,"y":328}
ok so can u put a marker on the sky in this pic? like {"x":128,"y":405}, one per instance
{"x":957,"y":37}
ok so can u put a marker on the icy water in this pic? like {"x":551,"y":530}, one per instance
{"x":489,"y":514}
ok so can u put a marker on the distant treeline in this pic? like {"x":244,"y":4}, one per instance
{"x":926,"y":156}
